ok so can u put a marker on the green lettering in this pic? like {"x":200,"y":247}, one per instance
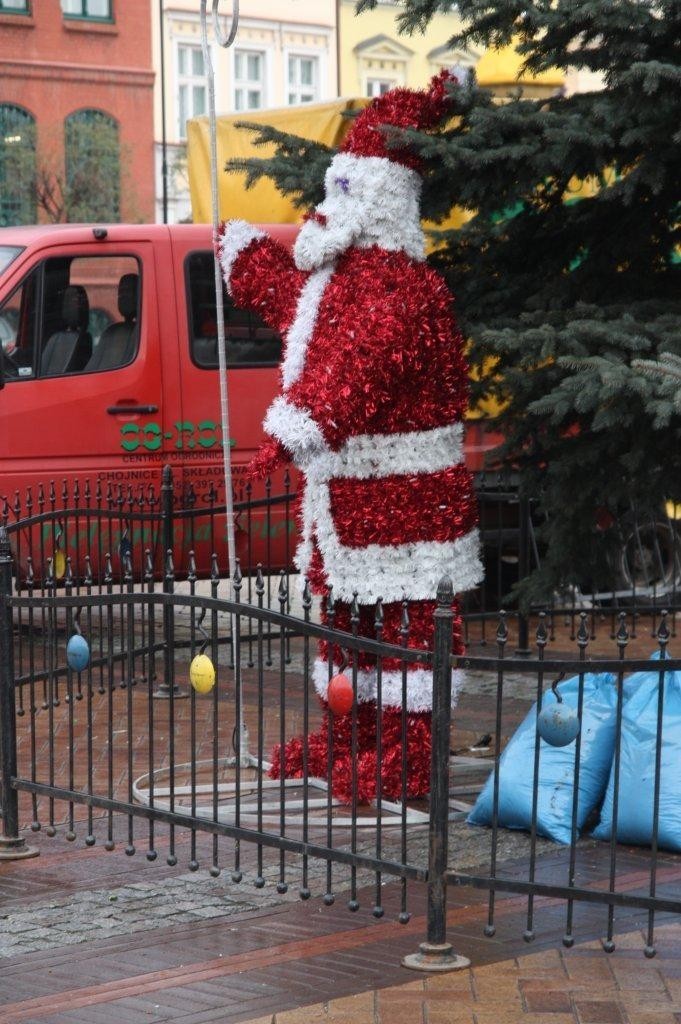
{"x":133,"y":444}
{"x":208,"y":442}
{"x":154,"y":442}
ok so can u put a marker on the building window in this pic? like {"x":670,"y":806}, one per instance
{"x":303,"y":79}
{"x":14,"y":7}
{"x":94,"y":10}
{"x":379,"y":86}
{"x":17,"y":166}
{"x":191,"y":85}
{"x":249,"y":80}
{"x":93,"y":167}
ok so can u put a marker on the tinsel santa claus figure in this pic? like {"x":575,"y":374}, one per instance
{"x":374,"y":390}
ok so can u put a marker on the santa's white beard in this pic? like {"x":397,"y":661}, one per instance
{"x":368,"y":201}
{"x":318,"y":244}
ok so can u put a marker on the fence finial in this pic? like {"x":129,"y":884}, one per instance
{"x":445,"y":591}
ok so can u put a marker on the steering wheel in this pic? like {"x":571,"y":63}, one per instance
{"x":9,"y":367}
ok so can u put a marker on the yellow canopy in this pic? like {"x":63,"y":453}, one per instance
{"x":264,"y":204}
{"x":323,"y":122}
{"x":502,"y":67}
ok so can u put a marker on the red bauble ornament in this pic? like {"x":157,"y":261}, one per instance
{"x":340,"y":696}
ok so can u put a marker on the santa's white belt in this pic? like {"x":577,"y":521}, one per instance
{"x":377,"y":455}
{"x":364,"y":455}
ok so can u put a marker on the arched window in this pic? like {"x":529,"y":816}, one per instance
{"x":93,"y":167}
{"x":17,"y":166}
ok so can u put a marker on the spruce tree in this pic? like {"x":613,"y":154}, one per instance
{"x":561,"y":287}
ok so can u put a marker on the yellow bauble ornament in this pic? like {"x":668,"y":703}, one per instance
{"x":59,"y":564}
{"x":202,"y":673}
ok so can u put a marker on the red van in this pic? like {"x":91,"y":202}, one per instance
{"x":109,"y":359}
{"x":109,"y":362}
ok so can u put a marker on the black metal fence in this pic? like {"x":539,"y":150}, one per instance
{"x":641,"y":805}
{"x":127,"y":740}
{"x":103,"y":530}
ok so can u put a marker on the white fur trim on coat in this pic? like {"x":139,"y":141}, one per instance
{"x":401,"y":572}
{"x":370,"y":456}
{"x":419,"y":685}
{"x":300,"y":331}
{"x":236,"y":236}
{"x":295,"y":428}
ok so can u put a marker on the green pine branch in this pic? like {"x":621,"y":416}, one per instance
{"x":571,"y":297}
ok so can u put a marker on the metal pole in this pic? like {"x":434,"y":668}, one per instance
{"x":436,"y":954}
{"x":12,"y":846}
{"x":225,"y":41}
{"x":164,"y":154}
{"x":338,"y":47}
{"x":219,"y":305}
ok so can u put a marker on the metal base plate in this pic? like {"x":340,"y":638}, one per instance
{"x":16,"y":849}
{"x":435,"y":958}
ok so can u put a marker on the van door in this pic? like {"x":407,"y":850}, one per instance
{"x":253,"y":358}
{"x":82,"y":402}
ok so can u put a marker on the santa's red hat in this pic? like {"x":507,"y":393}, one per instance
{"x":400,"y":108}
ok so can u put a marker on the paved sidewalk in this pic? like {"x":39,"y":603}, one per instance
{"x":556,"y":986}
{"x":207,"y":961}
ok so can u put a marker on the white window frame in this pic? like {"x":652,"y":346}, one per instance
{"x":297,"y":55}
{"x":189,"y":81}
{"x":244,"y":84}
{"x":392,"y":83}
{"x":325,"y":90}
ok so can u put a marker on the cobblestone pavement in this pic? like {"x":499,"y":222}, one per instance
{"x":30,"y":923}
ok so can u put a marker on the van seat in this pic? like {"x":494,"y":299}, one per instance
{"x":118,"y":341}
{"x":68,"y":350}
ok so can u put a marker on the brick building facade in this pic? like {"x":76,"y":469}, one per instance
{"x":76,"y":110}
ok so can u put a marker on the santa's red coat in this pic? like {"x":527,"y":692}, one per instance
{"x":374,"y":389}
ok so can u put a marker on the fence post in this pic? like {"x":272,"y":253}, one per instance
{"x":12,"y":846}
{"x":167,"y":511}
{"x":162,"y":691}
{"x":523,"y":647}
{"x":436,"y":954}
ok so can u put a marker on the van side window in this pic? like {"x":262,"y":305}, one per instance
{"x":250,"y":342}
{"x":18,"y":320}
{"x":72,"y":315}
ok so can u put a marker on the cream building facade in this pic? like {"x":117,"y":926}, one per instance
{"x":375,"y":57}
{"x":284,"y":54}
{"x":290,"y":52}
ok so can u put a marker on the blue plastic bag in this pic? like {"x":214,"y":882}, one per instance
{"x":637,"y":765}
{"x":556,"y":765}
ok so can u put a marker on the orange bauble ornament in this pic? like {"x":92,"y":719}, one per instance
{"x":339,"y":694}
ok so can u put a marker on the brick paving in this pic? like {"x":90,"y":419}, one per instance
{"x":554,"y":986}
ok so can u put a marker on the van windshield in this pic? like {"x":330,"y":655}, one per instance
{"x":7,"y":254}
